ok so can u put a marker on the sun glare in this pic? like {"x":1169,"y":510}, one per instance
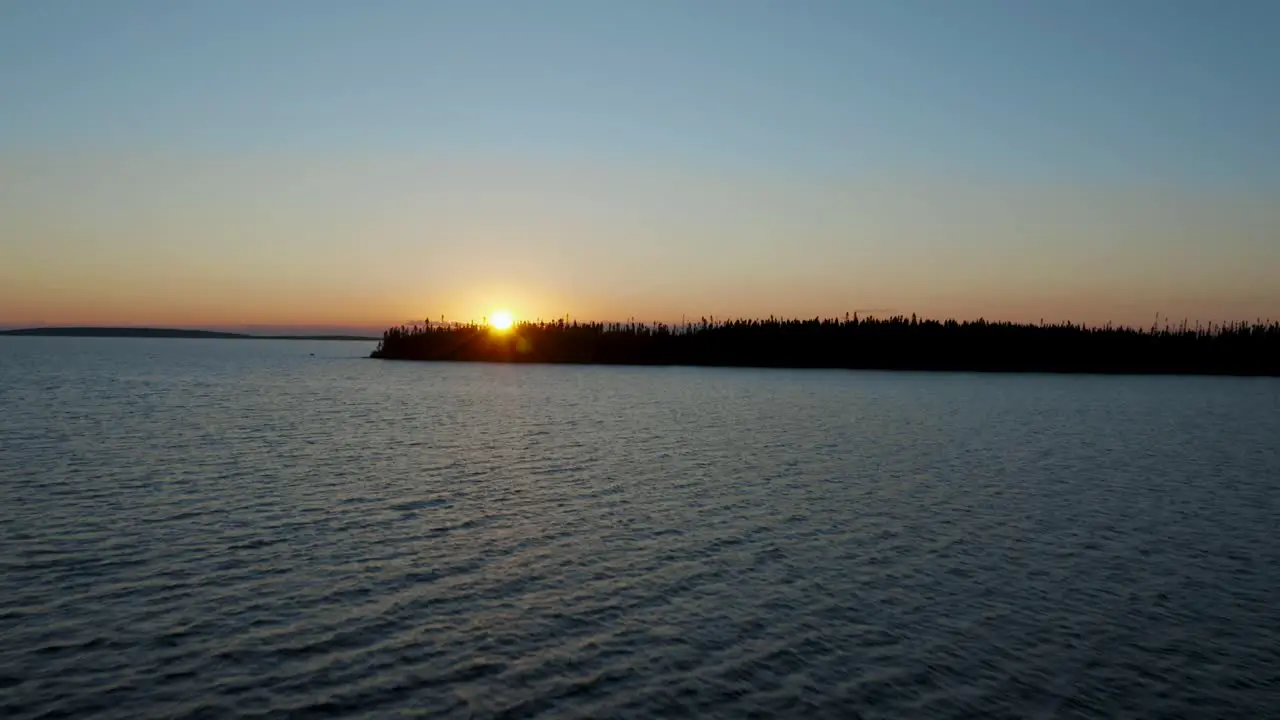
{"x":501,"y":320}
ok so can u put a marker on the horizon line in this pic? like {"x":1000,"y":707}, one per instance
{"x":313,"y":328}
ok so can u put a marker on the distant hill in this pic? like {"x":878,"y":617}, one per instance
{"x":352,"y":338}
{"x":173,"y":333}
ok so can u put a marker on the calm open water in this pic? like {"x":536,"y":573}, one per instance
{"x":240,"y":528}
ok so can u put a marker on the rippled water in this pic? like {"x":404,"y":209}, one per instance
{"x":239,"y":528}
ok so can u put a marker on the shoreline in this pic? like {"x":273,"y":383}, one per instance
{"x":860,"y":368}
{"x":168,"y":334}
{"x":894,"y":344}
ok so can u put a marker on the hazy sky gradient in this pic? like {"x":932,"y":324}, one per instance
{"x":342,"y":163}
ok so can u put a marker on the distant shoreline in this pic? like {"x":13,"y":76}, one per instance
{"x":167,"y":333}
{"x":870,"y":368}
{"x":897,"y":343}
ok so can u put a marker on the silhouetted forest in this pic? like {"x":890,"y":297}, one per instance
{"x":895,"y":343}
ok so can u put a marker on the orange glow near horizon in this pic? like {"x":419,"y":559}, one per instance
{"x":242,"y":240}
{"x":230,"y":315}
{"x":106,"y":301}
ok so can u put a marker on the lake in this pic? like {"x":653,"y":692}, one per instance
{"x":223,"y":528}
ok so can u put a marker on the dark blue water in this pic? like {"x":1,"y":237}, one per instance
{"x":241,"y":528}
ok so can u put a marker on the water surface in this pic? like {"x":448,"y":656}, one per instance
{"x":212,"y":528}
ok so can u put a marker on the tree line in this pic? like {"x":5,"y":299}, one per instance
{"x":896,"y":343}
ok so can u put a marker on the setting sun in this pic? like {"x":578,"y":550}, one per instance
{"x":501,"y":320}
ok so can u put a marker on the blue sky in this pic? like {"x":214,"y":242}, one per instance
{"x":1053,"y":105}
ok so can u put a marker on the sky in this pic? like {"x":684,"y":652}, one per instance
{"x":331,"y":163}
